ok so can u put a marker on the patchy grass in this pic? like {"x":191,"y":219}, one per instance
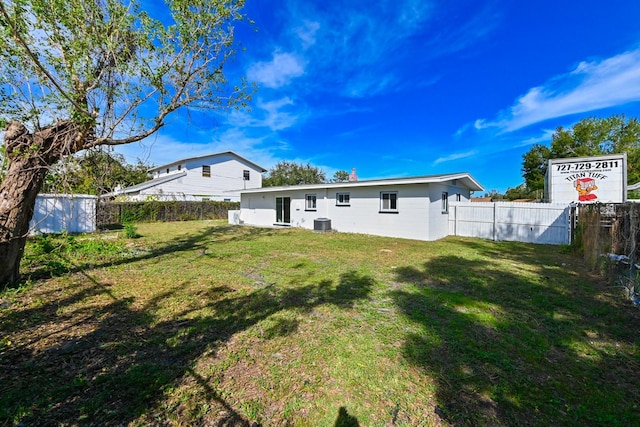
{"x":200,"y":323}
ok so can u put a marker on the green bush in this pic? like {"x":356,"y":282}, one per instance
{"x":130,"y":231}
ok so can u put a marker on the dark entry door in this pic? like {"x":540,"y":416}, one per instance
{"x":283,"y":210}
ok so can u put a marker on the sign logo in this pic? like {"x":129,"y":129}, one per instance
{"x":585,"y":188}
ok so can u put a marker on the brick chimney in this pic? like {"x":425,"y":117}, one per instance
{"x":352,"y":176}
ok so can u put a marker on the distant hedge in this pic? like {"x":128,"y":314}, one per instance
{"x":118,"y":213}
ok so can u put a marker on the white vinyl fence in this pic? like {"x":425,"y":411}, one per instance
{"x":522,"y":222}
{"x":74,"y":213}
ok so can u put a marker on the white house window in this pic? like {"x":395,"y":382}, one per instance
{"x":206,"y":170}
{"x":389,"y":201}
{"x":343,"y":199}
{"x":245,"y":175}
{"x":445,"y":202}
{"x":311,"y":202}
{"x":458,"y":197}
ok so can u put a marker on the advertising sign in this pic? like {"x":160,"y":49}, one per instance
{"x":588,"y":179}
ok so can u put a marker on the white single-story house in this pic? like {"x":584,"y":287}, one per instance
{"x":413,"y":208}
{"x":219,"y":176}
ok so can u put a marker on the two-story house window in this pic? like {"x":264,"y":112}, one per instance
{"x":206,"y":170}
{"x":246,"y":175}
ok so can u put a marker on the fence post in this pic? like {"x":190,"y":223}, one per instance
{"x":495,"y":222}
{"x":572,"y":223}
{"x":633,"y":231}
{"x":455,"y":220}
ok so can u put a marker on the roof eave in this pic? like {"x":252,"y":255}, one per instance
{"x":210,"y":155}
{"x":471,"y":183}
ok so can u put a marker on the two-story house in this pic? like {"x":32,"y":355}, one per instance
{"x":219,"y":176}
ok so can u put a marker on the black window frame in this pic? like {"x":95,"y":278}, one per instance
{"x":345,"y":195}
{"x":445,"y":202}
{"x":310,"y":197}
{"x":393,"y":200}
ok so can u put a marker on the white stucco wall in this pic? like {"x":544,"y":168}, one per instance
{"x":439,"y":220}
{"x":419,"y":214}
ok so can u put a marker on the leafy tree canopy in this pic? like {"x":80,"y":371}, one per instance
{"x":78,"y":74}
{"x":110,"y":66}
{"x":522,"y":192}
{"x":291,"y":173}
{"x":494,"y":194}
{"x":96,"y":172}
{"x":589,"y":137}
{"x":340,"y":176}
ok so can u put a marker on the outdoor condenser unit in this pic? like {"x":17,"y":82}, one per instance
{"x":322,"y":224}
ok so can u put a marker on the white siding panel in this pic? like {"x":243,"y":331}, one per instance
{"x":57,"y":213}
{"x":474,"y":220}
{"x":225,"y":182}
{"x":523,"y":222}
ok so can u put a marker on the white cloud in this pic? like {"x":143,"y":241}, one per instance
{"x":307,"y":33}
{"x":162,"y":149}
{"x":455,"y":156}
{"x":354,"y":44}
{"x":275,"y":118}
{"x":280,"y":71}
{"x":268,"y":114}
{"x":158,"y":149}
{"x":366,"y":84}
{"x":589,"y":87}
{"x":544,"y":137}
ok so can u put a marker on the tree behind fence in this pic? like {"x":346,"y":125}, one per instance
{"x":608,"y":232}
{"x":112,"y":214}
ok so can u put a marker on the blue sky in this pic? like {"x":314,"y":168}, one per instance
{"x":416,"y":87}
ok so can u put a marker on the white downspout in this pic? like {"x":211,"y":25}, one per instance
{"x":326,"y":203}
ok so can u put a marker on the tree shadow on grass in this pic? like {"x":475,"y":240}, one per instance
{"x":520,"y":349}
{"x":55,"y":264}
{"x":345,"y":419}
{"x":113,"y":363}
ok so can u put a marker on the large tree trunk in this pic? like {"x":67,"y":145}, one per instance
{"x":30,"y":156}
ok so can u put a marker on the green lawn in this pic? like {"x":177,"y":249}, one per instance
{"x":201,"y":323}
